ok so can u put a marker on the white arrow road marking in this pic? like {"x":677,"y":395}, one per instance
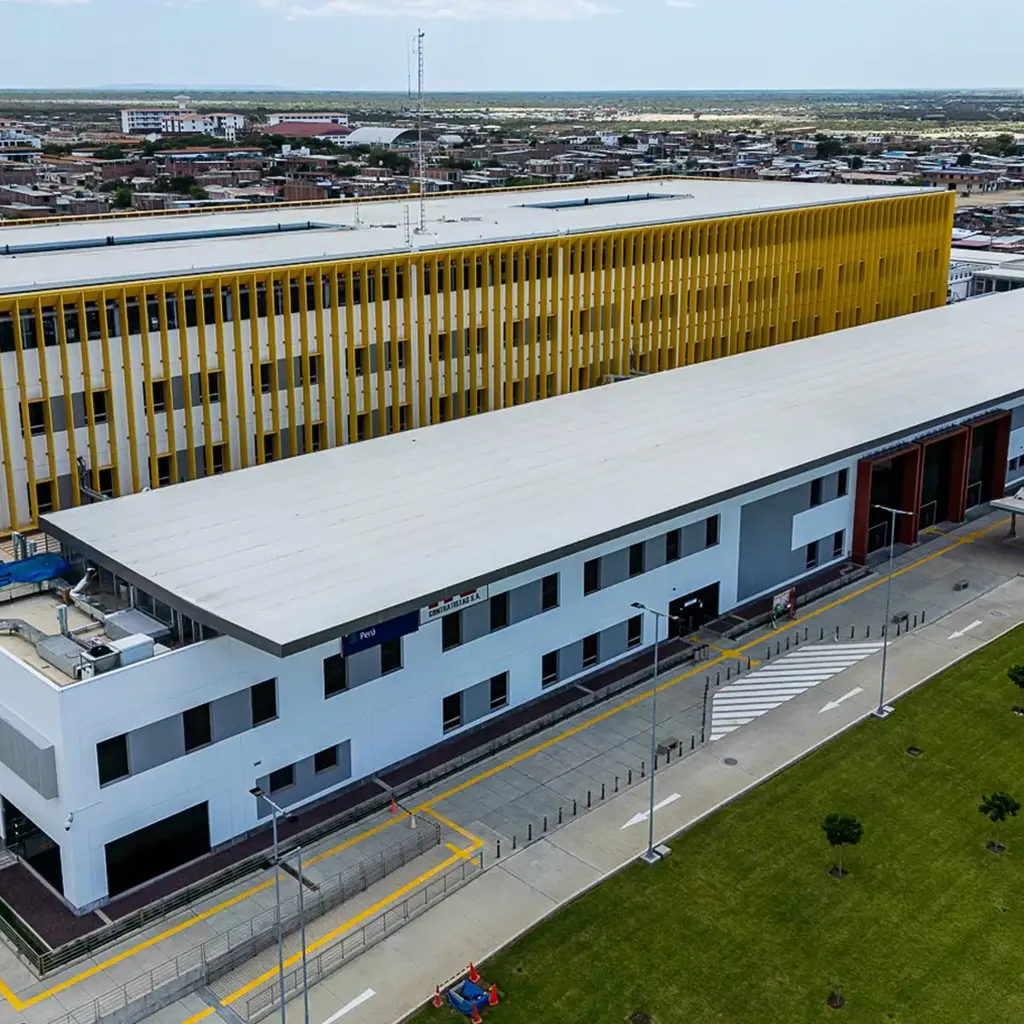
{"x":833,"y":704}
{"x":778,"y":681}
{"x":348,"y":1007}
{"x":637,"y":818}
{"x":963,"y":632}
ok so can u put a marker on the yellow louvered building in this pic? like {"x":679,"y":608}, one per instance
{"x":140,"y":351}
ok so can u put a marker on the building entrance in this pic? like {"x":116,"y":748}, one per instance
{"x":693,"y":611}
{"x":25,"y":838}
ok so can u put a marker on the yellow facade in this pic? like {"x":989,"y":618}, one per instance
{"x":159,"y":381}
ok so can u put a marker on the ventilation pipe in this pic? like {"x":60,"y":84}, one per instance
{"x":82,"y":585}
{"x":62,"y":619}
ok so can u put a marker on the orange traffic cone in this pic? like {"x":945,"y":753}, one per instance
{"x":492,"y":998}
{"x":437,"y":998}
{"x":394,"y":806}
{"x":476,"y":1018}
{"x":474,"y":974}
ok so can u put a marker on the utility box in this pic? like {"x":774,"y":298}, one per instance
{"x":133,"y":649}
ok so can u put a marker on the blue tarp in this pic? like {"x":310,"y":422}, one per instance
{"x":32,"y":570}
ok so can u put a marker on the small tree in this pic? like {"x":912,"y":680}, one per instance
{"x":997,"y":808}
{"x":1015,"y":673}
{"x":122,"y":198}
{"x":856,"y":163}
{"x":963,"y":160}
{"x":842,"y":830}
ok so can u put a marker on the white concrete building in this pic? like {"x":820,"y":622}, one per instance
{"x":307,"y":117}
{"x":308,"y":624}
{"x":179,"y":121}
{"x":977,"y":272}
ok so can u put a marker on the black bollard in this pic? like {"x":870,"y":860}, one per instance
{"x":574,"y":807}
{"x":728,"y":673}
{"x":513,"y":842}
{"x":852,"y":628}
{"x":748,"y":661}
{"x":616,"y":783}
{"x":588,"y":799}
{"x":915,"y":620}
{"x":602,"y":790}
{"x":693,"y":742}
{"x":867,"y":632}
{"x":768,"y":653}
{"x":499,"y":849}
{"x":822,"y":637}
{"x":629,"y":777}
{"x":559,"y":815}
{"x":545,"y":823}
{"x":787,"y":643}
{"x":529,"y":832}
{"x":643,"y":770}
{"x":805,"y":632}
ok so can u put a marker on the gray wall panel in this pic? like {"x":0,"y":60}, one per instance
{"x":195,"y":382}
{"x":362,"y":667}
{"x":155,"y":744}
{"x":476,"y":702}
{"x":65,"y":491}
{"x":78,"y":408}
{"x":1017,"y":418}
{"x":524,"y":602}
{"x":178,"y":392}
{"x":570,"y":660}
{"x":33,"y":764}
{"x":695,"y":538}
{"x":654,"y":553}
{"x":614,"y":568}
{"x":476,"y":621}
{"x":613,"y":641}
{"x":58,"y":413}
{"x":230,"y":715}
{"x":766,"y":533}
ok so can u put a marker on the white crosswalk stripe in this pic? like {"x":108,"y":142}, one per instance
{"x":776,"y":682}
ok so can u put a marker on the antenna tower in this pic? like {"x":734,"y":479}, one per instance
{"x":420,"y":153}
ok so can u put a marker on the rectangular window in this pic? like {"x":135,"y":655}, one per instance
{"x":673,"y":545}
{"x":198,"y":731}
{"x":499,"y":691}
{"x":314,"y":370}
{"x":269,"y":447}
{"x":44,"y":496}
{"x":712,"y":531}
{"x":107,"y":481}
{"x":838,"y":544}
{"x":263,"y":699}
{"x":99,"y":406}
{"x":36,"y":418}
{"x":390,"y":656}
{"x":213,"y":386}
{"x":163,"y":470}
{"x":451,"y":631}
{"x":112,"y":759}
{"x":499,"y":611}
{"x":549,"y":669}
{"x":282,"y":778}
{"x":549,"y":592}
{"x":158,"y":394}
{"x":843,"y":483}
{"x":359,"y":358}
{"x":451,"y":712}
{"x":636,"y":559}
{"x":325,"y":760}
{"x":316,"y":436}
{"x":335,"y":675}
{"x":266,"y":378}
{"x":592,"y":576}
{"x":816,"y":492}
{"x":218,"y":459}
{"x":812,"y":554}
{"x":635,"y":631}
{"x":591,"y":650}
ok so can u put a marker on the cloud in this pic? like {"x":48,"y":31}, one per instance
{"x":457,"y":10}
{"x":47,"y":3}
{"x":682,"y":4}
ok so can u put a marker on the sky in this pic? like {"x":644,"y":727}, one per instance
{"x":513,"y":45}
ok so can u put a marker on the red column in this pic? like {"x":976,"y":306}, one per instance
{"x":1000,"y":454}
{"x":959,"y":467}
{"x":861,"y":512}
{"x":910,"y":495}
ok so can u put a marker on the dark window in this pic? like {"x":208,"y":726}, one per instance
{"x":158,"y":389}
{"x":213,"y":386}
{"x":499,"y":691}
{"x":44,"y":496}
{"x":390,"y":656}
{"x":635,"y":631}
{"x":673,"y":545}
{"x":711,"y":531}
{"x":36,"y":418}
{"x":451,"y":712}
{"x":266,"y":377}
{"x":325,"y":760}
{"x":263,"y":697}
{"x":269,"y":447}
{"x":359,"y":357}
{"x":163,"y":470}
{"x":314,"y":370}
{"x":816,"y":492}
{"x":499,"y":611}
{"x":591,"y":646}
{"x":335,"y":676}
{"x":282,"y":778}
{"x":549,"y":668}
{"x":838,"y":544}
{"x":549,"y":592}
{"x":451,"y":631}
{"x":218,"y":458}
{"x":636,"y":559}
{"x":99,"y":406}
{"x":112,"y":758}
{"x":592,"y":576}
{"x":843,"y":483}
{"x":107,"y":482}
{"x":812,"y":554}
{"x":197,"y":727}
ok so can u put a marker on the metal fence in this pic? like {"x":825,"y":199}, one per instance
{"x":329,"y":959}
{"x":149,"y":992}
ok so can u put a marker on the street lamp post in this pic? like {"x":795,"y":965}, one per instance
{"x":257,"y":792}
{"x":650,"y":855}
{"x":883,"y":710}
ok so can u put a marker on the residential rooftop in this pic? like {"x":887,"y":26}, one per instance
{"x":292,"y":554}
{"x":43,"y":257}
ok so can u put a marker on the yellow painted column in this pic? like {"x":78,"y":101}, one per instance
{"x":69,"y":412}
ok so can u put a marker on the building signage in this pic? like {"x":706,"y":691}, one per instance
{"x":452,"y":604}
{"x":374,"y":636}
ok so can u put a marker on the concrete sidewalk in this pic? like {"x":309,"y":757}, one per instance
{"x":524,"y":887}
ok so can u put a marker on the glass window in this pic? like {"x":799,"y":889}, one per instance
{"x":816,"y":492}
{"x":549,"y":592}
{"x":812,"y":554}
{"x":634,"y":631}
{"x":263,"y":698}
{"x":636,"y":559}
{"x":499,"y":691}
{"x":843,"y":483}
{"x":198,"y":732}
{"x":592,"y":576}
{"x":335,"y":676}
{"x":711,"y":531}
{"x":499,"y":611}
{"x":112,"y":759}
{"x":549,"y":668}
{"x":839,"y":544}
{"x":390,"y":656}
{"x":213,"y":386}
{"x":451,"y":631}
{"x":673,"y":545}
{"x":591,"y":650}
{"x":325,"y":760}
{"x":451,"y":712}
{"x":99,"y":406}
{"x":282,"y":778}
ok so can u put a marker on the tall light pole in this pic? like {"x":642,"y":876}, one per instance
{"x":275,"y":809}
{"x":883,"y":710}
{"x":651,"y":855}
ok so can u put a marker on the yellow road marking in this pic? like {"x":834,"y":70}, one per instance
{"x":201,"y":1015}
{"x":333,"y":934}
{"x":464,"y":854}
{"x":735,"y":652}
{"x":427,"y":807}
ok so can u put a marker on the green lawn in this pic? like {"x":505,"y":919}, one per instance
{"x":744,"y":925}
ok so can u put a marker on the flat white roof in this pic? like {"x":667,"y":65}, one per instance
{"x":294,"y":553}
{"x":452,"y":221}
